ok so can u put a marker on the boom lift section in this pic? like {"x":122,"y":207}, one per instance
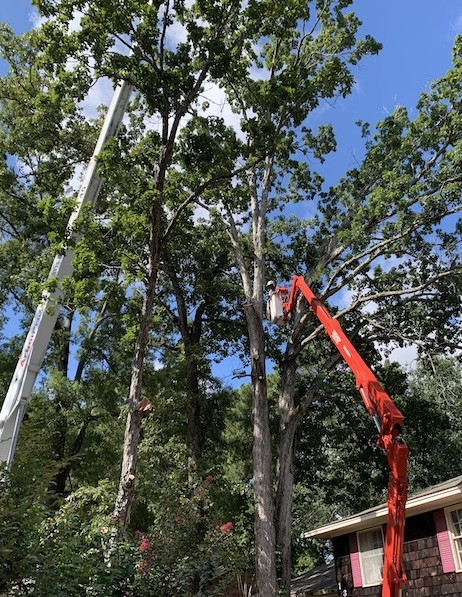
{"x":380,"y":407}
{"x":46,"y":315}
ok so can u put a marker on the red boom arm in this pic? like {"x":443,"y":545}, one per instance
{"x":386,"y":416}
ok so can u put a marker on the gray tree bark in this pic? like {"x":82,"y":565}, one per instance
{"x":125,"y":495}
{"x":265,"y":541}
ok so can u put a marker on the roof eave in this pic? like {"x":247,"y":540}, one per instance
{"x":361,"y":521}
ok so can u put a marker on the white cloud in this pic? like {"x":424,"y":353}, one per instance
{"x":220,"y":107}
{"x":176,"y":34}
{"x":457,"y":25}
{"x":405,"y":356}
{"x":36,"y":19}
{"x":357,"y":87}
{"x":100,"y":94}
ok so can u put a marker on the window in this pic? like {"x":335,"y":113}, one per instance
{"x":454,"y":518}
{"x":370,"y":545}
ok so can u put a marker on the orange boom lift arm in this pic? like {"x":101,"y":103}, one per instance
{"x":380,"y":407}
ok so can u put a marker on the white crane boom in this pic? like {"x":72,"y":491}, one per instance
{"x":45,"y":317}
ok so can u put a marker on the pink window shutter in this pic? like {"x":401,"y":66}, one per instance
{"x":354,"y":559}
{"x":444,"y":541}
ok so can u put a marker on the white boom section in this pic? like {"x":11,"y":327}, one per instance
{"x":44,"y":321}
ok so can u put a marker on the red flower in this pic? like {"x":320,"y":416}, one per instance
{"x":226,"y":528}
{"x":144,"y":565}
{"x":137,"y":534}
{"x":209,"y":479}
{"x":144,"y":545}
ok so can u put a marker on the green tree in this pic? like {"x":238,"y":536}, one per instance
{"x":388,"y":234}
{"x":432,"y":407}
{"x":169,"y":80}
{"x":383,"y":235}
{"x":81,"y":399}
{"x":307,"y":56}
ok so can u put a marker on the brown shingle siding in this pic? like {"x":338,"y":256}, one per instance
{"x":421,"y":562}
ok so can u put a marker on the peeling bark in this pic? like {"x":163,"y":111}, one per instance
{"x":125,"y":495}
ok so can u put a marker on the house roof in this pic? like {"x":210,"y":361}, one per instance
{"x":437,"y":496}
{"x":316,"y":582}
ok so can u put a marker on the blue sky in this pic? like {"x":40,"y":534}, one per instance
{"x":417,"y":38}
{"x":17,"y":14}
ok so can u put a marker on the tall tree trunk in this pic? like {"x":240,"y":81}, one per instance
{"x":195,"y":429}
{"x":264,"y":523}
{"x":291,"y":416}
{"x":125,"y":495}
{"x":57,"y":483}
{"x":285,"y":473}
{"x":191,"y":337}
{"x":265,"y":542}
{"x":124,"y":501}
{"x":57,"y":486}
{"x":195,"y":446}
